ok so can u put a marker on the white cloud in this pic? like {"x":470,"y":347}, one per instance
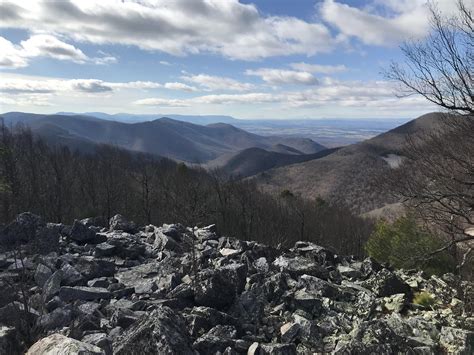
{"x":10,"y":55}
{"x":164,"y":62}
{"x":180,"y":86}
{"x":228,"y":28}
{"x":163,"y":102}
{"x":383,"y":22}
{"x":211,"y":82}
{"x":17,"y":56}
{"x":49,"y":46}
{"x":104,"y":60}
{"x":38,"y":86}
{"x":373,"y":96}
{"x":221,"y":99}
{"x":254,"y":98}
{"x":318,"y":68}
{"x":279,"y":76}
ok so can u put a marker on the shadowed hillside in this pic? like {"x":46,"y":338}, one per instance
{"x":348,"y":175}
{"x":252,"y":161}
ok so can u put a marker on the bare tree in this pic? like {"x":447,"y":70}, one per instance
{"x":437,"y":177}
{"x":441,"y":66}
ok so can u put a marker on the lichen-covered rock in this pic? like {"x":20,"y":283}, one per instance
{"x":160,"y":332}
{"x":58,"y":344}
{"x":457,"y":341}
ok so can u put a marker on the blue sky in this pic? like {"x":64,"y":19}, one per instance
{"x":249,"y":59}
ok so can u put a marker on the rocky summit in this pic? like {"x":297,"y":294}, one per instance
{"x":112,"y":287}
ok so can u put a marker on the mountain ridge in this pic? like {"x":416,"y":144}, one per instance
{"x":167,"y":137}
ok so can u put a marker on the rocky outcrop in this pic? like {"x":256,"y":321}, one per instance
{"x":123,"y":289}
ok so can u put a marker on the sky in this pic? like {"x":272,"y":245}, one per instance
{"x":248,"y":59}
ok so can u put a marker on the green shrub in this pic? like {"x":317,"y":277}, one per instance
{"x":405,"y":245}
{"x":423,"y":299}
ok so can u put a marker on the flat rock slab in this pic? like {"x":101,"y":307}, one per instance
{"x":83,"y":293}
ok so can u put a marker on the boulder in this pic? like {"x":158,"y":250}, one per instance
{"x":218,"y":339}
{"x":82,"y":293}
{"x":457,"y":341}
{"x":386,"y":283}
{"x":70,"y":275}
{"x":42,"y":274}
{"x":82,"y":234}
{"x":92,"y":268}
{"x":95,"y":222}
{"x":206,"y":233}
{"x":298,"y":266}
{"x":348,"y":272}
{"x":22,"y":230}
{"x":57,"y":344}
{"x":104,"y":249}
{"x":289,"y":331}
{"x":60,"y":317}
{"x":218,"y":288}
{"x":161,"y":332}
{"x":52,"y":285}
{"x":101,"y":340}
{"x":119,"y":222}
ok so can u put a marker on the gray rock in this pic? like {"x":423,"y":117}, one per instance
{"x":300,"y":266}
{"x":22,"y":230}
{"x":206,"y":233}
{"x":218,"y":288}
{"x":386,"y":283}
{"x":119,"y":222}
{"x":70,"y":274}
{"x":104,"y":249}
{"x":92,"y":268}
{"x":82,"y":293}
{"x":307,"y":300}
{"x":218,"y":339}
{"x":348,"y":272}
{"x":289,"y":331}
{"x":99,"y":282}
{"x":60,"y":344}
{"x":457,"y":341}
{"x":82,"y":234}
{"x":101,"y":340}
{"x":60,"y":317}
{"x":161,"y":332}
{"x":202,"y":319}
{"x":52,"y":285}
{"x":42,"y":274}
{"x":277,"y":349}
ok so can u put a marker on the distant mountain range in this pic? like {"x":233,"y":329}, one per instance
{"x":182,"y":141}
{"x":134,"y":118}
